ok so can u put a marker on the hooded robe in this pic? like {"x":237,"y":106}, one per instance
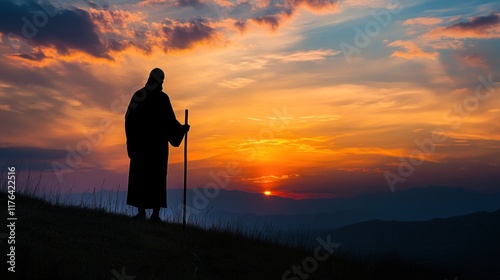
{"x":150,"y":124}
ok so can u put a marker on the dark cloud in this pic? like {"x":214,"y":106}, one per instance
{"x":141,"y":37}
{"x":29,"y":153}
{"x":177,"y":3}
{"x":117,"y":45}
{"x":92,"y":4}
{"x":64,"y":30}
{"x":477,"y":23}
{"x":184,"y":35}
{"x":34,"y":56}
{"x":272,"y":21}
{"x":278,"y":11}
{"x":241,"y":25}
{"x":189,"y":3}
{"x":30,"y":161}
{"x":317,"y":5}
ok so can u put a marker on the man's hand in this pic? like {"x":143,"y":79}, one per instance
{"x":186,"y":127}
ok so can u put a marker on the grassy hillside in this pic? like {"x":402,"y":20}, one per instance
{"x":60,"y":242}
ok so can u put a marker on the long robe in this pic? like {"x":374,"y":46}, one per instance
{"x":150,"y":124}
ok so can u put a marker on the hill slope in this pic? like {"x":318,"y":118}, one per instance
{"x":55,"y":242}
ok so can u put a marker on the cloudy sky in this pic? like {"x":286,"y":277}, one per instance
{"x":303,"y":98}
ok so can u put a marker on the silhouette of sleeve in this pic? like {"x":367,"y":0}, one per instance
{"x":175,"y":129}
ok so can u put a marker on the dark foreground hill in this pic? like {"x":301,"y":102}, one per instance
{"x":58,"y":242}
{"x":469,"y":244}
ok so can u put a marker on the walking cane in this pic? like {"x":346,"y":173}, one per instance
{"x":185,"y":172}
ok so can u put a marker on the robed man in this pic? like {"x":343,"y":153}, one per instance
{"x":150,"y":125}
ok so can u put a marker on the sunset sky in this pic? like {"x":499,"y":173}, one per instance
{"x":302,"y":98}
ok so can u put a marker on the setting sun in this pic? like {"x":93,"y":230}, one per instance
{"x":267,"y":193}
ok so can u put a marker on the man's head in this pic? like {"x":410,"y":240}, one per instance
{"x":155,"y":80}
{"x":156,"y":76}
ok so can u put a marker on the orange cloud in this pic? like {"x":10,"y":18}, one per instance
{"x":474,"y":60}
{"x":114,"y":21}
{"x":423,"y":21}
{"x":410,"y":50}
{"x":149,"y":3}
{"x":236,"y":83}
{"x":312,"y":55}
{"x":318,"y":5}
{"x":266,"y":179}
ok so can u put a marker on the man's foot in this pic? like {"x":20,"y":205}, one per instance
{"x":155,"y":220}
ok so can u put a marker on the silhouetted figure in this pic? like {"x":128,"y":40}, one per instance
{"x":150,"y":125}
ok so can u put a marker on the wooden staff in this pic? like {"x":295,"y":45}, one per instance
{"x":185,"y":172}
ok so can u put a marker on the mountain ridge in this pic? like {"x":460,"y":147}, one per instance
{"x":467,"y":240}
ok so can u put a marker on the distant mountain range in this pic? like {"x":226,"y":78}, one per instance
{"x":470,"y":243}
{"x":254,"y":209}
{"x":413,"y":204}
